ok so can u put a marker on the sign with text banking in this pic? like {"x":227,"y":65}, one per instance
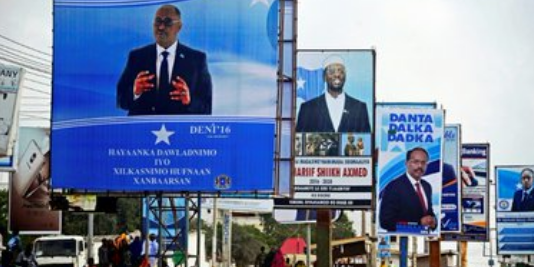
{"x":164,"y":95}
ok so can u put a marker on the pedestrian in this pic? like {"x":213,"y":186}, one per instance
{"x":260,"y":257}
{"x":278,"y":260}
{"x":26,"y":258}
{"x":103,"y":254}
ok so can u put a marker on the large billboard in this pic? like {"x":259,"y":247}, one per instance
{"x":475,"y":189}
{"x":10,"y":95}
{"x":29,"y":193}
{"x":515,"y":210}
{"x":335,"y":100}
{"x":410,"y":156}
{"x":135,"y":111}
{"x":451,"y":193}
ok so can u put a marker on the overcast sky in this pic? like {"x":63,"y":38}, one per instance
{"x":475,"y":58}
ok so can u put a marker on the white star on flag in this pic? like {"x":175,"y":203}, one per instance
{"x":162,"y":135}
{"x":300,"y":83}
{"x":265,"y":2}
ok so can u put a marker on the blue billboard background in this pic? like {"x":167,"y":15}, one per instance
{"x":515,"y":228}
{"x":92,"y":40}
{"x":450,"y":198}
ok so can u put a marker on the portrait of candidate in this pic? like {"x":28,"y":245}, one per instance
{"x":165,"y":77}
{"x":408,"y":198}
{"x":523,"y":198}
{"x":335,"y":110}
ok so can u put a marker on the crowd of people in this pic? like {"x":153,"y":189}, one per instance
{"x":127,"y":251}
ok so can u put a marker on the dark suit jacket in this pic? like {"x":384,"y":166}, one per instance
{"x":400,"y":203}
{"x":189,"y":64}
{"x":527,"y":205}
{"x":314,"y":117}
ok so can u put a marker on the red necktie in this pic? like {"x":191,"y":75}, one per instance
{"x":420,"y":195}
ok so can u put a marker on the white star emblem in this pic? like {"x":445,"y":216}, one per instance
{"x":162,"y":135}
{"x":265,"y":2}
{"x":300,"y":83}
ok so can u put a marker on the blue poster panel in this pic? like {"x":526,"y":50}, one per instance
{"x":515,"y":210}
{"x":450,"y":191}
{"x":474,"y":175}
{"x":173,"y":220}
{"x":410,"y":155}
{"x":333,"y":146}
{"x":164,"y":95}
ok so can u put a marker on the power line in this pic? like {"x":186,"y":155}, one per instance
{"x":36,"y":90}
{"x":24,"y":64}
{"x":46,"y":61}
{"x":25,"y":46}
{"x":16,"y":56}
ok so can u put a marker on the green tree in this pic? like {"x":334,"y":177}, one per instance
{"x":4,"y":202}
{"x":127,"y":218}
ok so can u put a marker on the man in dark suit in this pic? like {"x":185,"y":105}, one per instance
{"x":166,"y":77}
{"x":408,"y":198}
{"x":524,"y":198}
{"x":334,"y":111}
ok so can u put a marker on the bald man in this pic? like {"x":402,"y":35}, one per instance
{"x":166,"y":77}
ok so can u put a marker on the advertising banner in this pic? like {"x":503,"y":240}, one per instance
{"x":515,"y":210}
{"x":173,"y":220}
{"x":450,"y":191}
{"x":29,"y":189}
{"x":410,"y":156}
{"x":335,"y":99}
{"x":171,"y":95}
{"x":475,"y":189}
{"x":10,"y":81}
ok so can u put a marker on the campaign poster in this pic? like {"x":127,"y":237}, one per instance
{"x":29,"y":193}
{"x":450,"y":191}
{"x":474,"y":175}
{"x":515,"y":210}
{"x":334,"y":125}
{"x":10,"y":95}
{"x":410,"y":157}
{"x":133,"y":110}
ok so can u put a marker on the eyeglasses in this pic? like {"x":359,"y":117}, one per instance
{"x":168,"y":22}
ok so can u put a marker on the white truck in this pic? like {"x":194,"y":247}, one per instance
{"x":61,"y":251}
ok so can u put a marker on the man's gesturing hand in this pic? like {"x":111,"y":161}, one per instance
{"x":181,"y":91}
{"x":142,"y":82}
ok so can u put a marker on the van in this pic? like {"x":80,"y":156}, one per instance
{"x":60,"y":251}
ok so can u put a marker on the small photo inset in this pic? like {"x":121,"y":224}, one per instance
{"x":355,"y":145}
{"x":299,"y":144}
{"x":322,"y":144}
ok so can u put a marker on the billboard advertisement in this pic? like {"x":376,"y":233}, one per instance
{"x":10,"y":81}
{"x":475,"y":189}
{"x":410,"y":156}
{"x":29,"y":189}
{"x":515,"y":210}
{"x":334,"y":100}
{"x":450,"y":191}
{"x":171,"y":95}
{"x":173,"y":221}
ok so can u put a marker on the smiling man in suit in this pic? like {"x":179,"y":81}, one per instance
{"x":524,"y":197}
{"x":166,"y":77}
{"x":333,"y":111}
{"x":408,"y":198}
